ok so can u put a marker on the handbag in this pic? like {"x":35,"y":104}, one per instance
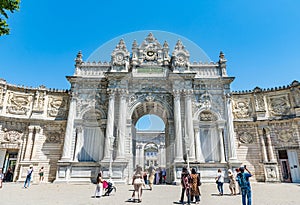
{"x":198,"y":181}
{"x":138,"y":181}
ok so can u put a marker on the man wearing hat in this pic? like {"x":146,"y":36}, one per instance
{"x":28,"y":177}
{"x":243,"y":180}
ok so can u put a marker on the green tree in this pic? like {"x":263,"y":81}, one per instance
{"x":5,"y":6}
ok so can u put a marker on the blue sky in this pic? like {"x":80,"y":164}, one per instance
{"x":259,"y":38}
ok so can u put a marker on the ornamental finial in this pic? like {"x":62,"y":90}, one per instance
{"x":78,"y":59}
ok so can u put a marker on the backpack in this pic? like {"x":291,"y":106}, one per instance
{"x":243,"y":183}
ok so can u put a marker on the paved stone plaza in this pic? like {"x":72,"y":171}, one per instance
{"x":263,"y":194}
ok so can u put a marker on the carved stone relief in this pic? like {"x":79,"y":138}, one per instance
{"x":271,"y":173}
{"x":204,"y":101}
{"x":18,"y":104}
{"x":57,"y":106}
{"x":241,"y":108}
{"x":2,"y":93}
{"x":207,"y":116}
{"x":245,"y":137}
{"x":120,"y":57}
{"x":12,"y":137}
{"x":39,"y":101}
{"x":296,"y":96}
{"x":53,"y":137}
{"x":180,"y":57}
{"x":279,"y":105}
{"x":259,"y":102}
{"x":285,"y":136}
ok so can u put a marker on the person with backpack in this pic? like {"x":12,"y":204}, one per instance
{"x":244,"y":183}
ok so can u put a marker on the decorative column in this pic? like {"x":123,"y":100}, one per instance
{"x":270,"y":148}
{"x":189,"y":123}
{"x":178,"y":131}
{"x":79,"y":143}
{"x":29,"y":143}
{"x":137,"y":156}
{"x":232,"y":149}
{"x":109,"y":138}
{"x":263,"y":146}
{"x":35,"y":142}
{"x":199,"y":154}
{"x":66,"y":155}
{"x":222,"y":153}
{"x":162,"y":155}
{"x":122,"y":124}
{"x":141,"y":156}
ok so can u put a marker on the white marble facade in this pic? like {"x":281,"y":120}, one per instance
{"x":76,"y":133}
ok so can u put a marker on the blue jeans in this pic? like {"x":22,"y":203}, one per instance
{"x":27,"y":181}
{"x":246,"y":193}
{"x":220,"y":187}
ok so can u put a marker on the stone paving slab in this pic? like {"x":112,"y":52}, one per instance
{"x":77,"y":194}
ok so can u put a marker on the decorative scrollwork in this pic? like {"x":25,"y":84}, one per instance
{"x":279,"y":106}
{"x":241,"y":109}
{"x":246,"y":138}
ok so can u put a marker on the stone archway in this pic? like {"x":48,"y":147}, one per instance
{"x":150,"y":80}
{"x":149,"y":103}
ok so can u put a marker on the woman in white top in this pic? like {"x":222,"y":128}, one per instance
{"x":99,"y":186}
{"x":220,"y":181}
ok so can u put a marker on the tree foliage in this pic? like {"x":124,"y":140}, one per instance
{"x":5,"y":7}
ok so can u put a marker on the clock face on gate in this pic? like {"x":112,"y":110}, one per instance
{"x":119,"y":57}
{"x":150,"y":55}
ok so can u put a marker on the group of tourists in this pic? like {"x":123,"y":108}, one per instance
{"x":242,"y":179}
{"x":190,"y":184}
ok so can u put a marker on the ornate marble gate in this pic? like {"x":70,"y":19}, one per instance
{"x":108,"y":98}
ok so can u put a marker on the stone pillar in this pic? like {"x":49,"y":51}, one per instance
{"x":79,"y":143}
{"x":122,"y":125}
{"x":142,"y":156}
{"x":66,"y":155}
{"x":270,"y":148}
{"x":29,"y":143}
{"x":35,"y":142}
{"x":222,"y":153}
{"x":231,"y":134}
{"x":109,"y":138}
{"x":162,"y":155}
{"x":137,"y":157}
{"x":263,"y":146}
{"x":178,"y":131}
{"x":199,"y":154}
{"x":189,"y":123}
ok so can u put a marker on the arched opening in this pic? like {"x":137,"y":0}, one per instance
{"x":150,"y":137}
{"x":211,"y":145}
{"x":150,"y":142}
{"x":90,"y":137}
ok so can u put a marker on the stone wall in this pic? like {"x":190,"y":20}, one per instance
{"x":266,"y":120}
{"x":32,"y":124}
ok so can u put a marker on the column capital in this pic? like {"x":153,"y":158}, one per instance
{"x":31,"y":128}
{"x":79,"y":129}
{"x":122,"y":92}
{"x":111,"y":91}
{"x":187,"y":92}
{"x":176,"y":93}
